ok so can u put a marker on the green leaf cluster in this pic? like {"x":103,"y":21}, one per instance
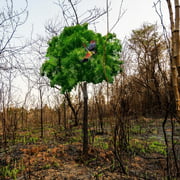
{"x":64,"y":67}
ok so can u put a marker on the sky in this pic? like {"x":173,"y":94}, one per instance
{"x":136,"y":13}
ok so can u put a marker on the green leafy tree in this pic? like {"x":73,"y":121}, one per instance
{"x":64,"y":66}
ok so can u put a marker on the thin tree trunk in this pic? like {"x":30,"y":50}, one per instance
{"x":176,"y":34}
{"x":100,"y":115}
{"x":59,"y":115}
{"x":74,"y":111}
{"x":166,"y":142}
{"x":85,"y":119}
{"x":22,"y":118}
{"x":175,"y":52}
{"x":4,"y":131}
{"x":41,"y":113}
{"x":64,"y":108}
{"x":173,"y":148}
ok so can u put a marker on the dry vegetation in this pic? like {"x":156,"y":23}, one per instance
{"x":122,"y":144}
{"x":133,"y":127}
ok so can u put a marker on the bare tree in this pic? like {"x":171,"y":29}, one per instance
{"x":10,"y":20}
{"x":148,"y":48}
{"x":73,"y":16}
{"x":74,"y":108}
{"x":173,"y":47}
{"x":174,"y":17}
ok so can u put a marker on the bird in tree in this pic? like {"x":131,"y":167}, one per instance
{"x":87,"y":56}
{"x":65,"y":52}
{"x":90,"y":51}
{"x":92,"y":46}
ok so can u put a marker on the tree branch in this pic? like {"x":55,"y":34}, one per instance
{"x":75,"y":12}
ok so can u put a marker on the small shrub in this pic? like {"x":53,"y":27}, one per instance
{"x":7,"y":172}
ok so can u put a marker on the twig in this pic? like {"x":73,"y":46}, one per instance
{"x":75,"y":12}
{"x":119,"y":16}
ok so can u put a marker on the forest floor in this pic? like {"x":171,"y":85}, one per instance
{"x":58,"y":156}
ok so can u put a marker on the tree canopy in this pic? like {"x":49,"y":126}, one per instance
{"x":64,"y":67}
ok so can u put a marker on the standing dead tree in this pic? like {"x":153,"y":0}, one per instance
{"x":173,"y":46}
{"x":148,"y":48}
{"x":174,"y":17}
{"x":10,"y":20}
{"x":74,"y":109}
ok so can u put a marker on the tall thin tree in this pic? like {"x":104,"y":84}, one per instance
{"x":175,"y":51}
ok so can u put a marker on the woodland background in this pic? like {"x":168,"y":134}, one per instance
{"x":133,"y":122}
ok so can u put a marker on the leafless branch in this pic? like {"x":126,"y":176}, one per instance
{"x":75,"y":12}
{"x":10,"y":20}
{"x":53,"y":27}
{"x":71,"y":16}
{"x":121,"y":13}
{"x":160,"y":14}
{"x":92,"y":15}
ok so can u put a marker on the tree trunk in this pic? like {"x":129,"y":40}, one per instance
{"x":59,"y":115}
{"x":41,"y":113}
{"x":74,"y":111}
{"x":100,"y":115}
{"x":22,"y":118}
{"x":175,"y":52}
{"x":4,"y":129}
{"x":85,"y":119}
{"x":64,"y":108}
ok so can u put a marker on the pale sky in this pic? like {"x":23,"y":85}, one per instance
{"x":137,"y":12}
